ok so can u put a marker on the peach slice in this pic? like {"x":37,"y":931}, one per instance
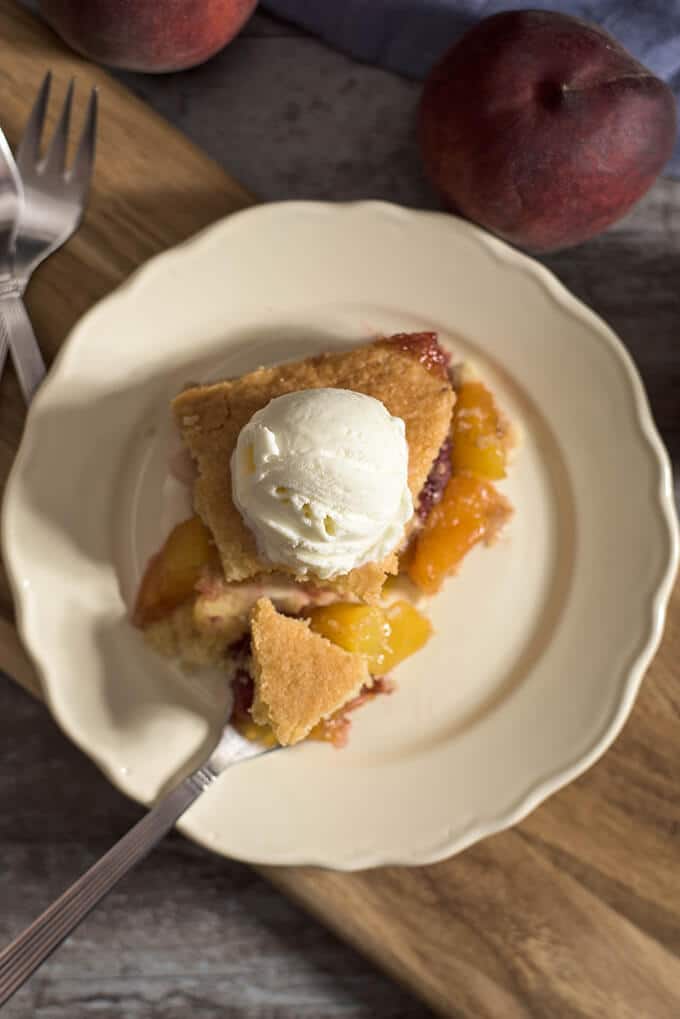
{"x":171,"y":575}
{"x":471,"y":510}
{"x":409,"y":630}
{"x":477,"y":433}
{"x":385,"y":636}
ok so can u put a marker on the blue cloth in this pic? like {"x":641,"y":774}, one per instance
{"x":408,"y":36}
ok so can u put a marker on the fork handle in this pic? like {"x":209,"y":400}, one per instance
{"x":16,"y":332}
{"x":30,"y":949}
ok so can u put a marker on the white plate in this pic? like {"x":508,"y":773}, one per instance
{"x":541,"y":641}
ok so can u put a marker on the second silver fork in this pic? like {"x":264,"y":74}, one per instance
{"x":54,"y":200}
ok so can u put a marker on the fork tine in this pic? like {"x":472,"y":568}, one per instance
{"x":28,"y":152}
{"x":81,"y":172}
{"x":55,"y":161}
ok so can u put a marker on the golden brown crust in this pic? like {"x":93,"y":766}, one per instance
{"x":211,"y":417}
{"x":299,"y":676}
{"x":177,"y":635}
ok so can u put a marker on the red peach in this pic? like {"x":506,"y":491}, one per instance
{"x":543,"y":129}
{"x":147,"y":35}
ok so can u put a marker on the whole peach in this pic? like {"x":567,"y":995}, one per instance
{"x":147,"y":35}
{"x":542,"y":128}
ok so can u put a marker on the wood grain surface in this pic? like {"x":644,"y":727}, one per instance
{"x":575,"y":912}
{"x":152,"y":189}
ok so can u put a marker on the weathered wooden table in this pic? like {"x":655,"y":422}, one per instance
{"x":192,"y":934}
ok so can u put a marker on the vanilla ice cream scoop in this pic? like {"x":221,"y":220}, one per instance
{"x":321,"y":479}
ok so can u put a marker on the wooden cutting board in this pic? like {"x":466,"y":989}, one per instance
{"x":575,"y":912}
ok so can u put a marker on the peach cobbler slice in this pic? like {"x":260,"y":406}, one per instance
{"x":303,"y":652}
{"x":210,"y":419}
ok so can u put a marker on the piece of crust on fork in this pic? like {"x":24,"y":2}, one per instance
{"x":300,"y":677}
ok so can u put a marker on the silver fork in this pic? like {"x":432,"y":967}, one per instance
{"x":54,"y":202}
{"x":30,"y":949}
{"x":15,"y":326}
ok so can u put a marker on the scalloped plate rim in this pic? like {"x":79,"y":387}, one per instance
{"x":544,"y":786}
